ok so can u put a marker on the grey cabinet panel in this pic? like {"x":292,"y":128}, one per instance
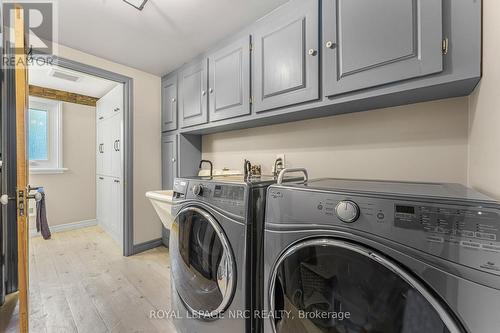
{"x":169,"y":103}
{"x":169,"y":161}
{"x":286,"y":59}
{"x":229,"y":81}
{"x":193,"y":95}
{"x":369,"y":43}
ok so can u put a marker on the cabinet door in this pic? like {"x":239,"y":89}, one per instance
{"x":229,"y":81}
{"x":116,"y":210}
{"x":103,"y":202}
{"x":368,"y":43}
{"x":100,"y":149}
{"x":114,"y":128}
{"x":169,"y":161}
{"x":285,"y":51}
{"x":169,"y":104}
{"x":107,"y":146}
{"x":193,"y":95}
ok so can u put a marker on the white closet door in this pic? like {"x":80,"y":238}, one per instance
{"x":116,"y":210}
{"x":115,"y":131}
{"x":100,"y":151}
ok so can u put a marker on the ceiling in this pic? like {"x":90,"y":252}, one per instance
{"x":86,"y":85}
{"x":161,"y":37}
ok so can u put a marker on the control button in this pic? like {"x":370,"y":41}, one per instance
{"x":347,"y":211}
{"x":380,"y":216}
{"x":484,"y":235}
{"x":197,"y":189}
{"x":471,"y":245}
{"x":435,"y":239}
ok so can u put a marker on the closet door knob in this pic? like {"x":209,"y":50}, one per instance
{"x":210,"y":90}
{"x":312,"y":52}
{"x":203,"y":93}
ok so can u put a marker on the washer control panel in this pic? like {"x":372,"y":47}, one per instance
{"x":228,"y":197}
{"x":465,"y":232}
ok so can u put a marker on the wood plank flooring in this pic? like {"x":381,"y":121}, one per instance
{"x":80,"y":282}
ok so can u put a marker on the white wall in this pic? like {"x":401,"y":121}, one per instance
{"x":147,"y":139}
{"x":423,"y":142}
{"x":70,"y":196}
{"x":484,"y":129}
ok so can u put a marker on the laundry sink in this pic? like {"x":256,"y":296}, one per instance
{"x":162,"y":203}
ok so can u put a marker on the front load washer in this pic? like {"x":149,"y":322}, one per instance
{"x":216,"y":252}
{"x":378,"y":256}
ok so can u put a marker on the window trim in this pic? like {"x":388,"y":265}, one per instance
{"x":54,"y":164}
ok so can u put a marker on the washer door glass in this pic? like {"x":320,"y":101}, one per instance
{"x":202,"y":263}
{"x":327,"y":285}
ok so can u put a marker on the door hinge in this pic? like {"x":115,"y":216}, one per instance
{"x":445,"y":46}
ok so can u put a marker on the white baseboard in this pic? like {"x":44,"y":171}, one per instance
{"x":67,"y":226}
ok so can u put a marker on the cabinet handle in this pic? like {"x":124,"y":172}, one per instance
{"x":117,"y":145}
{"x":210,"y":90}
{"x":116,"y":180}
{"x":101,"y":178}
{"x":101,"y":118}
{"x":312,"y":52}
{"x":117,"y":109}
{"x":173,"y":100}
{"x":330,"y":44}
{"x":173,"y":160}
{"x":203,"y":93}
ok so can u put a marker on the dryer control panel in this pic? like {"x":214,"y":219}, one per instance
{"x":465,"y":232}
{"x":227,"y":197}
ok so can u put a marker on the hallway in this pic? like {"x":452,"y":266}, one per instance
{"x":80,"y":282}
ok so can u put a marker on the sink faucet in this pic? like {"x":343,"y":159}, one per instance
{"x":211,"y":166}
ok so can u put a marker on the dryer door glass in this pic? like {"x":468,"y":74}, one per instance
{"x":202,"y":263}
{"x":326,"y":285}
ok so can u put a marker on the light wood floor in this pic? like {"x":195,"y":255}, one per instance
{"x":80,"y":282}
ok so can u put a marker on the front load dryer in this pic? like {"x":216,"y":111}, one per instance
{"x":356,"y":256}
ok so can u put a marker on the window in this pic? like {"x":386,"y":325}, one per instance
{"x":45,"y":135}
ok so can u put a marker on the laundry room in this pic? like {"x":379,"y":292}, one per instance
{"x":276,"y":166}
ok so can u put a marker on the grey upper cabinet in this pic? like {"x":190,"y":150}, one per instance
{"x":193,"y":95}
{"x":369,"y":43}
{"x":286,"y":59}
{"x":169,"y":161}
{"x":169,"y":103}
{"x":229,"y":80}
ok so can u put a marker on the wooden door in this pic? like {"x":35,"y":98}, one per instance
{"x":229,"y":81}
{"x":193,"y":95}
{"x":286,"y":59}
{"x":169,"y":104}
{"x":22,"y":166}
{"x":368,"y":43}
{"x":169,"y":161}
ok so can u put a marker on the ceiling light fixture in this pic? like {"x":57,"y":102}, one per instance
{"x":137,"y":4}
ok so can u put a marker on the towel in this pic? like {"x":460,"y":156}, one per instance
{"x":41,"y":217}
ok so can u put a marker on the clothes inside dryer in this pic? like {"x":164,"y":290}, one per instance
{"x":332,"y":289}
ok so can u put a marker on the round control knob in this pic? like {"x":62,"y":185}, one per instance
{"x":347,"y":211}
{"x":197,"y":189}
